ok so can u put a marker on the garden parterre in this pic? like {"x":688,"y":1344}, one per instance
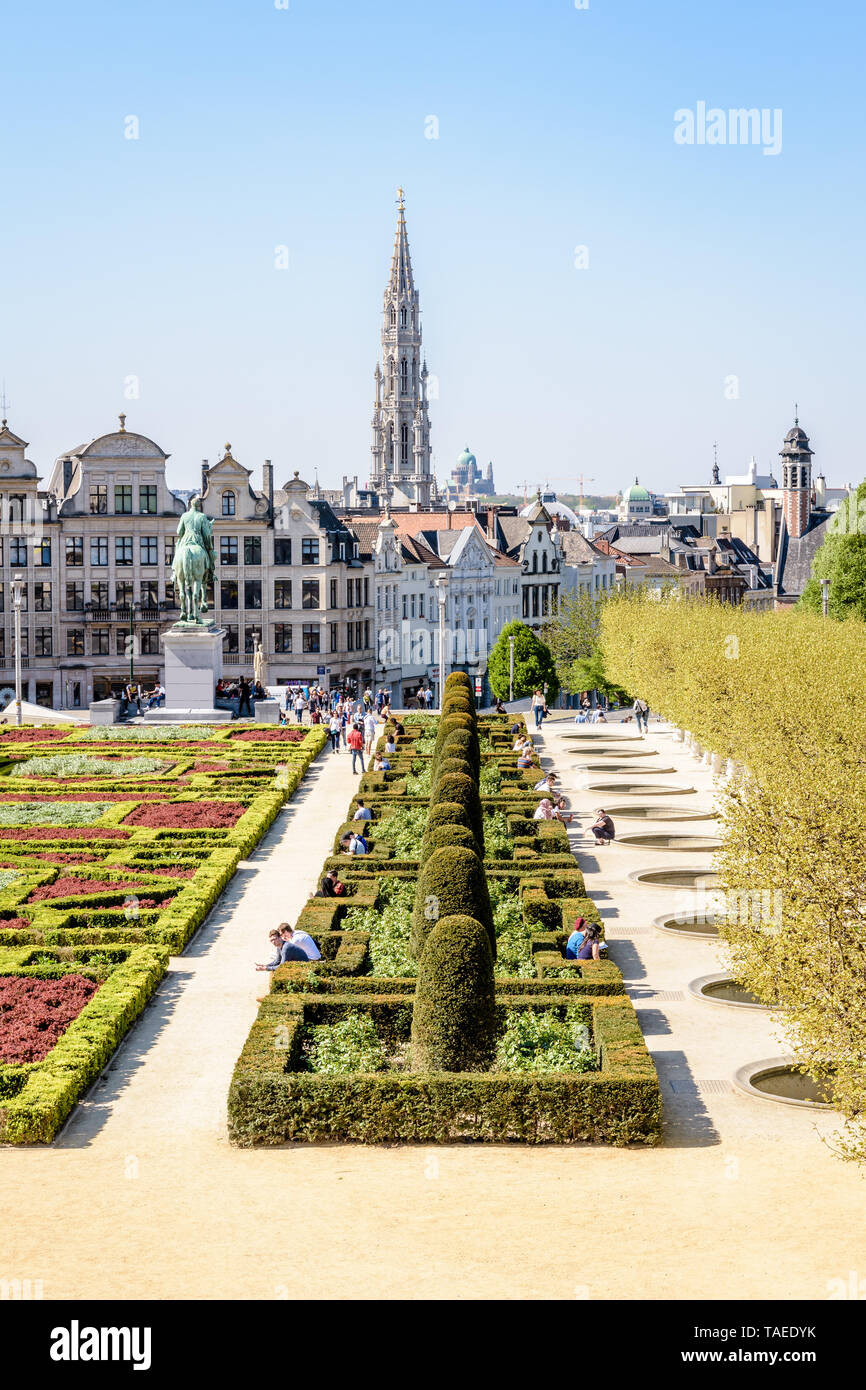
{"x":405,"y":1029}
{"x":111,"y":861}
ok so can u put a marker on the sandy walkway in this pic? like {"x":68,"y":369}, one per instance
{"x":143,"y":1197}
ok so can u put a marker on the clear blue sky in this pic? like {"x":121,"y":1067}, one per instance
{"x":260,"y":127}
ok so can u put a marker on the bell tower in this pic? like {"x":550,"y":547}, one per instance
{"x":796,"y":459}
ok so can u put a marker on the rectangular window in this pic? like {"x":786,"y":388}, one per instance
{"x":366,"y":632}
{"x":99,"y":500}
{"x":99,"y":641}
{"x":121,"y":638}
{"x":228,"y":550}
{"x":312,"y":636}
{"x":42,"y":601}
{"x":252,"y":550}
{"x":310,"y":550}
{"x":169,"y":551}
{"x":74,"y":598}
{"x":148,"y":549}
{"x":228,"y":501}
{"x":123,"y":593}
{"x":526,"y":603}
{"x":413,"y":605}
{"x":147,"y":499}
{"x":42,"y":553}
{"x":18,"y":551}
{"x":122,"y":550}
{"x":149,"y":593}
{"x":169,"y":594}
{"x":310,"y":593}
{"x":350,"y":637}
{"x":334,"y":631}
{"x":99,"y":550}
{"x":282,"y":593}
{"x":282,"y":637}
{"x":366,"y":593}
{"x":24,"y":602}
{"x":230,"y":640}
{"x":333,"y":593}
{"x":150,"y":641}
{"x":123,"y":499}
{"x":405,"y":605}
{"x":358,"y":633}
{"x":228,"y":593}
{"x":44,"y":646}
{"x":75,"y":641}
{"x":25,"y":642}
{"x":1,"y":552}
{"x":252,"y":593}
{"x":2,"y":643}
{"x":252,"y":635}
{"x":282,"y":551}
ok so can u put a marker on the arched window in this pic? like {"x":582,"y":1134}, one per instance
{"x":404,"y":376}
{"x":535,"y":562}
{"x":404,"y":443}
{"x":393,"y":317}
{"x":403,"y":316}
{"x":544,"y":563}
{"x":228,"y":501}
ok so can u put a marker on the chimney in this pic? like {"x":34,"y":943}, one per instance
{"x":204,"y":470}
{"x":491,"y":523}
{"x":711,"y":561}
{"x":268,"y":484}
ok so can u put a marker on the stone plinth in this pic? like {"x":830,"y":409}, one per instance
{"x":267,"y":711}
{"x":193,"y":665}
{"x":104,"y":711}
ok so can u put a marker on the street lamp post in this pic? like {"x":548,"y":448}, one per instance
{"x":17,"y":596}
{"x":441,"y":595}
{"x":511,"y":669}
{"x":825,"y":597}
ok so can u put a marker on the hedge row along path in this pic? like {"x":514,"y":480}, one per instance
{"x":151,"y":1201}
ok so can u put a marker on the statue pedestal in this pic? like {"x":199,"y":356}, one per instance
{"x":193,"y":665}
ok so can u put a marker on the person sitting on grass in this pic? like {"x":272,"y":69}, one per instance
{"x":602,"y":828}
{"x":296,"y":940}
{"x":544,"y":811}
{"x":363,"y":812}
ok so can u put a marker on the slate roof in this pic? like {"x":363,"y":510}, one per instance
{"x":794,"y":565}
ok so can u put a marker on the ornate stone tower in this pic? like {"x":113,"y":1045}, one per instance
{"x":796,"y":459}
{"x":401,"y":430}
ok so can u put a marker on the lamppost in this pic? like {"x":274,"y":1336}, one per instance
{"x":17,"y":596}
{"x":825,"y":597}
{"x":132,"y":608}
{"x":441,"y":595}
{"x":511,"y":669}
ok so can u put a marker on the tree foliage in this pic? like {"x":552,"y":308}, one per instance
{"x":842,"y":560}
{"x":533,"y":664}
{"x":782,"y":695}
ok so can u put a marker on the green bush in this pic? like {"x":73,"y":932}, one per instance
{"x":454,"y":1022}
{"x":452,"y":882}
{"x":460,"y":787}
{"x":461,"y":743}
{"x":458,"y":680}
{"x":442,"y":836}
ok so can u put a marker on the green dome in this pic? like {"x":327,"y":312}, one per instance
{"x":636,"y":493}
{"x":466,"y":458}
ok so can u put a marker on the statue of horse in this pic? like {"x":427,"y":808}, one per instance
{"x":193,"y":564}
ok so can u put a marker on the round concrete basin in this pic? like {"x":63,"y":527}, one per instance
{"x":700,"y":926}
{"x":626,"y":812}
{"x":622,"y":752}
{"x":705,"y":877}
{"x":683,"y":844}
{"x":625,"y":767}
{"x":639,"y":788}
{"x":722,"y":989}
{"x":780,"y":1080}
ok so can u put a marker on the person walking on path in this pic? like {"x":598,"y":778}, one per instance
{"x":355,"y":741}
{"x":640,"y":710}
{"x":334,"y":733}
{"x":538,"y":707}
{"x":244,"y":690}
{"x":369,"y":730}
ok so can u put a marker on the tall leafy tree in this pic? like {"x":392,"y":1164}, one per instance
{"x":534,"y":666}
{"x":842,"y":560}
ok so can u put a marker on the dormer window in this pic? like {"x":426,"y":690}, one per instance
{"x":229,"y":503}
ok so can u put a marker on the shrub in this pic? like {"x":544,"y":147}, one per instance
{"x":350,"y":1045}
{"x":458,"y":680}
{"x":543,"y":1041}
{"x":454,"y":766}
{"x":442,"y":836}
{"x":459,"y":787}
{"x":454,"y":1022}
{"x":447,"y":813}
{"x":451,"y":882}
{"x":461,"y":743}
{"x":79,"y":765}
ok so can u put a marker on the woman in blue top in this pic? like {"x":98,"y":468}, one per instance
{"x":590,"y":949}
{"x":575,"y":941}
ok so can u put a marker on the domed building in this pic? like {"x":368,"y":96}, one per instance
{"x":636,"y":503}
{"x":558,"y":511}
{"x":467,"y":480}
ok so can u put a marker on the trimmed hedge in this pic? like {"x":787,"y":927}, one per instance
{"x":452,"y":882}
{"x":460,"y":787}
{"x":454,"y":1024}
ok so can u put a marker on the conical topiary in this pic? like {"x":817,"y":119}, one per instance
{"x":458,"y":680}
{"x":454,"y":1023}
{"x":451,"y":881}
{"x":442,"y":836}
{"x":464,"y":743}
{"x":462,"y":788}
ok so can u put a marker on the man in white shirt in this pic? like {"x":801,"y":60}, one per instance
{"x":301,"y":940}
{"x":369,"y":731}
{"x":363,"y":812}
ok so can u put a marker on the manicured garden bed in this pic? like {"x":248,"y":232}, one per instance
{"x":34,"y":1013}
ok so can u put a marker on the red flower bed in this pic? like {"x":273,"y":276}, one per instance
{"x":80,"y":858}
{"x":173,"y":873}
{"x":35,"y":1013}
{"x":33,"y":735}
{"x":66,"y":887}
{"x":14,"y":923}
{"x":188,"y":815}
{"x":66,"y":832}
{"x":270,"y":736}
{"x":211,"y":767}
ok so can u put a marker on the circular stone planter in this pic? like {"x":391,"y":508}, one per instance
{"x":678,"y":813}
{"x":639,"y":789}
{"x":682,"y":844}
{"x":699,"y":926}
{"x":675,"y":877}
{"x":722,"y":989}
{"x":778,"y":1079}
{"x":622,"y":752}
{"x":624,"y":767}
